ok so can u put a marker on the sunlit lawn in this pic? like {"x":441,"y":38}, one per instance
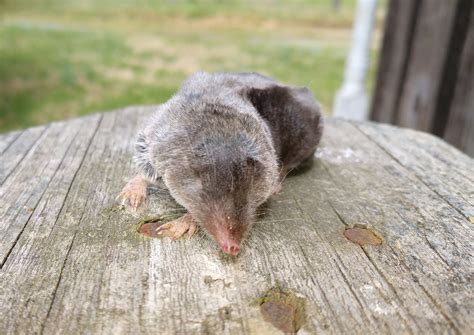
{"x":59,"y":59}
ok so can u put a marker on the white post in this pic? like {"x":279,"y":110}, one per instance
{"x":351,"y":100}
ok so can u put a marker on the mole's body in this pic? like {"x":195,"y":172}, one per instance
{"x":221,"y":145}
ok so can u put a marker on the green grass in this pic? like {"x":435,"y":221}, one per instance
{"x":60,"y":59}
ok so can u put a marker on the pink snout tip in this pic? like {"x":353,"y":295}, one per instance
{"x":230,"y":248}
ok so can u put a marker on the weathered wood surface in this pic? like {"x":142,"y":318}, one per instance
{"x":72,"y":261}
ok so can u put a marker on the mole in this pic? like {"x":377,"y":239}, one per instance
{"x":222,"y":146}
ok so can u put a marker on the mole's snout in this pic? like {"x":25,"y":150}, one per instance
{"x":228,"y":235}
{"x":230,"y":247}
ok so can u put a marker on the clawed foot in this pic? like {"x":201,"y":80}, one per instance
{"x":134,"y":193}
{"x":177,"y":228}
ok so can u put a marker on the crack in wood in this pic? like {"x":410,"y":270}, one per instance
{"x":86,"y":151}
{"x":4,"y":260}
{"x":34,"y":145}
{"x":11,"y":142}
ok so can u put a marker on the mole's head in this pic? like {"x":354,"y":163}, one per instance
{"x":222,"y":186}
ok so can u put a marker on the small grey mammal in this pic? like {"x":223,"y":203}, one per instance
{"x":222,"y":145}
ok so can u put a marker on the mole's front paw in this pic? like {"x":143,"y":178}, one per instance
{"x":176,"y":228}
{"x":134,"y":193}
{"x":131,"y":198}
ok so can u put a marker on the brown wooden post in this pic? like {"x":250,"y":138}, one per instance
{"x":460,"y":127}
{"x":396,"y":47}
{"x":419,"y":69}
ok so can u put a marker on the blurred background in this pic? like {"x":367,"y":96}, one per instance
{"x":63,"y":58}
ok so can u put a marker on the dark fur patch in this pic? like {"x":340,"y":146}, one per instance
{"x":294,"y":118}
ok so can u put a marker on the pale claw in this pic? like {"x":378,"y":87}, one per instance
{"x":192,"y":229}
{"x":176,"y":228}
{"x":134,"y":193}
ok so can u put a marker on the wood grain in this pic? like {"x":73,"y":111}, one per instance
{"x":15,"y":147}
{"x":7,"y":139}
{"x":75,"y":263}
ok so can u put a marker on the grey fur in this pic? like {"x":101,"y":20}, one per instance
{"x":220,"y":142}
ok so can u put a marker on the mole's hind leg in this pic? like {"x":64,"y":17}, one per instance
{"x":176,"y":228}
{"x":134,"y":192}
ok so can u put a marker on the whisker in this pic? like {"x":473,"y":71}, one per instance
{"x":281,"y":220}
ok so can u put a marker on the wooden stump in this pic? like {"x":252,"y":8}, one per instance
{"x":73,"y":262}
